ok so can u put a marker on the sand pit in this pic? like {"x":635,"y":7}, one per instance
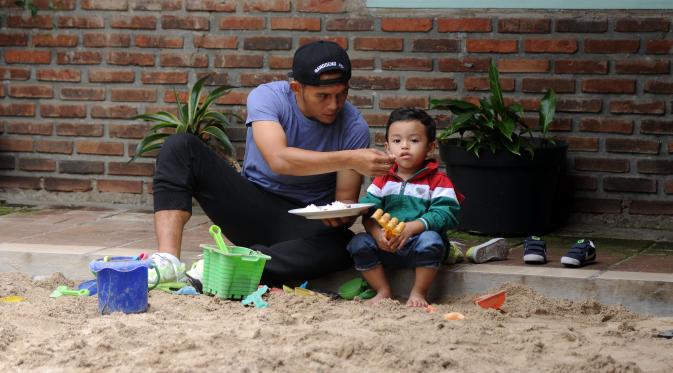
{"x":202,"y":333}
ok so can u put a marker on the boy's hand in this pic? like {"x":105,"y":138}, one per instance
{"x":399,"y":240}
{"x":383,"y":242}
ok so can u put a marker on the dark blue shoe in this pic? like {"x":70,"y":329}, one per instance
{"x":534,"y":250}
{"x":581,"y":253}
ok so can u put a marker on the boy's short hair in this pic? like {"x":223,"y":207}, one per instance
{"x":414,"y":114}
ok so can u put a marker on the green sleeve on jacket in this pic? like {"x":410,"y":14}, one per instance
{"x":442,"y":214}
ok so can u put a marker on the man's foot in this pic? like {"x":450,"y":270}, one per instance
{"x":170,"y":269}
{"x":494,"y":249}
{"x":534,"y":250}
{"x":417,"y":300}
{"x":380,"y":295}
{"x":455,"y":254}
{"x":581,"y":253}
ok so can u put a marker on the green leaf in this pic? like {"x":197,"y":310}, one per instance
{"x":456,"y":106}
{"x":496,"y":90}
{"x":162,"y":117}
{"x":512,"y":146}
{"x":547,"y":110}
{"x":507,"y":127}
{"x":212,"y":96}
{"x":220,"y":136}
{"x":148,"y":142}
{"x":193,"y":101}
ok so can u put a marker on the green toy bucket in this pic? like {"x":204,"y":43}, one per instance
{"x":233,"y":275}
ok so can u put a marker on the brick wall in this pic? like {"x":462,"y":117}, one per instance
{"x":71,"y":77}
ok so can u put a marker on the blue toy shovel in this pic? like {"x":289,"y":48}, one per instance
{"x":216,"y":232}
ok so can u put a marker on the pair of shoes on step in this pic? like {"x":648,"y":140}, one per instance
{"x":581,"y":253}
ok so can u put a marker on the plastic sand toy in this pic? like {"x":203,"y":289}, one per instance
{"x":390,"y":225}
{"x":63,"y":290}
{"x":256,"y":298}
{"x":356,"y":287}
{"x":454,"y":316}
{"x":495,"y":300}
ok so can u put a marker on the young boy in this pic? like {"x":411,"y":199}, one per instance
{"x":416,"y":192}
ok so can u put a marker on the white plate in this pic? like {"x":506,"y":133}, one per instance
{"x":352,"y":210}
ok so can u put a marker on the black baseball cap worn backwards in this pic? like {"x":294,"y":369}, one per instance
{"x":318,"y":57}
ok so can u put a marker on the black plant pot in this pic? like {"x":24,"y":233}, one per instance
{"x":507,"y":195}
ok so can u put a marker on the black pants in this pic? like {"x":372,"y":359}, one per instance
{"x":249,"y":216}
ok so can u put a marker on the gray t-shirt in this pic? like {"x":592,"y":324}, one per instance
{"x":276,"y":102}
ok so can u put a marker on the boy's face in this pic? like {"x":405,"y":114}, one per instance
{"x":408,"y":142}
{"x":321,"y":103}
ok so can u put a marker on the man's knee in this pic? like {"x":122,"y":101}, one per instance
{"x":179,"y":142}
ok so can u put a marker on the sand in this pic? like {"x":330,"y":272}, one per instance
{"x":182,"y":333}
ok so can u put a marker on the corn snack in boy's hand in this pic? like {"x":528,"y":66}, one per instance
{"x":391,"y":226}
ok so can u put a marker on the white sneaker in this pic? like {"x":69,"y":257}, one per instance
{"x":494,"y":249}
{"x":170,"y":268}
{"x":196,"y":272}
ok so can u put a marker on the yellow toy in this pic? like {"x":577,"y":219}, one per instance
{"x":392,"y":226}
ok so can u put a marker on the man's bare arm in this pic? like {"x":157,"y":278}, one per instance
{"x":347,"y":190}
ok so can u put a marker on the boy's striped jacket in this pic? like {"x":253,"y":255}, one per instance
{"x":428,"y":196}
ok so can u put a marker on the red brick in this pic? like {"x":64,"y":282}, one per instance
{"x":79,"y":58}
{"x":376,"y":120}
{"x":157,"y":5}
{"x":183,"y":60}
{"x":242,"y":23}
{"x":523,"y":66}
{"x":492,"y":46}
{"x":321,"y":6}
{"x":238,"y":60}
{"x":659,"y":46}
{"x":611,"y":46}
{"x":215,"y":42}
{"x":81,"y":167}
{"x":130,"y":169}
{"x":464,"y":25}
{"x":79,"y":129}
{"x":106,"y":40}
{"x":80,"y":22}
{"x":266,"y":6}
{"x":435,"y":45}
{"x":37,"y":164}
{"x":406,"y":24}
{"x":602,"y":165}
{"x":293,"y":23}
{"x":60,"y":147}
{"x":27,"y":56}
{"x":156,"y":41}
{"x":656,"y":127}
{"x":255,"y":79}
{"x":104,"y":4}
{"x":480,"y":83}
{"x":584,"y":182}
{"x":559,"y":85}
{"x":83,"y":93}
{"x":607,"y":125}
{"x":597,"y":205}
{"x":169,"y":96}
{"x":164,"y":77}
{"x":394,"y":102}
{"x":214,"y":78}
{"x":36,"y":21}
{"x":14,"y":73}
{"x":16,"y":144}
{"x":349,"y":24}
{"x":128,"y":131}
{"x":375,"y":82}
{"x":646,"y":66}
{"x":113,"y":111}
{"x":467,"y":64}
{"x":66,"y":185}
{"x":430,"y":83}
{"x":130,"y":58}
{"x":524,"y":26}
{"x":550,"y":46}
{"x":17,"y":110}
{"x":27,"y":128}
{"x":62,"y":111}
{"x":581,"y":26}
{"x":362,"y":102}
{"x":362,"y":63}
{"x":212,"y":5}
{"x":342,"y":41}
{"x":579,"y":105}
{"x":658,"y":87}
{"x":99,"y":148}
{"x":20,"y":182}
{"x":59,"y":75}
{"x":134,"y":95}
{"x":55,"y":4}
{"x":275,"y":62}
{"x":50,"y":40}
{"x":637,"y":107}
{"x":134,"y":22}
{"x":635,"y":146}
{"x":638,"y":207}
{"x":234,"y":98}
{"x":655,"y":166}
{"x":642,"y":25}
{"x":185,"y":23}
{"x":31,"y":91}
{"x":111,"y":76}
{"x":609,"y":86}
{"x":120,"y":186}
{"x":409,"y":64}
{"x":668,"y":187}
{"x":379,"y":44}
{"x":629,"y":185}
{"x":581,"y":67}
{"x":267,"y":43}
{"x":587,"y":144}
{"x":17,"y":40}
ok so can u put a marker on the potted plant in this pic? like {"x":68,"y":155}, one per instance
{"x":508,"y":173}
{"x":195,"y":117}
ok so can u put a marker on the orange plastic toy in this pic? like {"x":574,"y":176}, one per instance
{"x":392,"y":226}
{"x":495,"y":300}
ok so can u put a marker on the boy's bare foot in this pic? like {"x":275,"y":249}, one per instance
{"x":417,"y":300}
{"x":381,"y":295}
